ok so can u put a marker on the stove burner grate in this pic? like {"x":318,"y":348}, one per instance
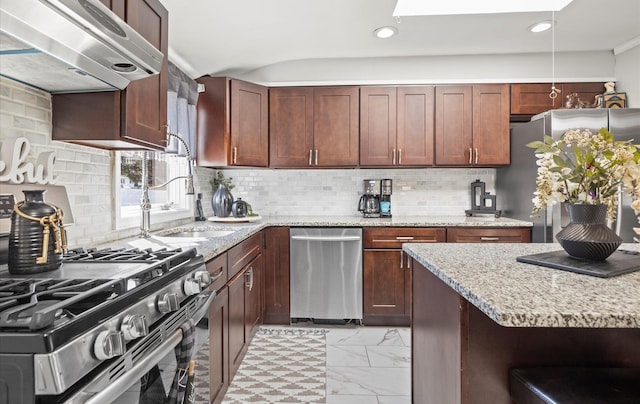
{"x":129,"y":255}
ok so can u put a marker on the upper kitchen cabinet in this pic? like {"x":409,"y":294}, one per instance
{"x":132,"y":118}
{"x":472,"y":125}
{"x":232,"y":123}
{"x":529,"y":99}
{"x":313,"y":126}
{"x":396,"y":126}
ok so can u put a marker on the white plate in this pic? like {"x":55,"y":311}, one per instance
{"x":232,"y":219}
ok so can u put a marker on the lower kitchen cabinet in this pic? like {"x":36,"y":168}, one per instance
{"x":489,"y":235}
{"x":276,"y":276}
{"x":387,"y":274}
{"x":245,"y":311}
{"x":219,"y":376}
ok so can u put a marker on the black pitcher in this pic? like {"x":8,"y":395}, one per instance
{"x":37,"y":240}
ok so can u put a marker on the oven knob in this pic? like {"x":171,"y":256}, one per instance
{"x":203,"y":277}
{"x":134,"y":326}
{"x":168,"y":303}
{"x":109,"y":344}
{"x":191,"y":286}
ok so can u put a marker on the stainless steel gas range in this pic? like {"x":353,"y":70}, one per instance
{"x":92,"y":328}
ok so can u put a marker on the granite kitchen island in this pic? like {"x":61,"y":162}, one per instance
{"x":477,"y":312}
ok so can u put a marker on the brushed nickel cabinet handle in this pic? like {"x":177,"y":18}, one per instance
{"x":476,"y":155}
{"x":399,"y":156}
{"x":489,"y":238}
{"x":401,"y":259}
{"x":394,"y":157}
{"x":316,"y":156}
{"x":310,"y":155}
{"x":404,"y":237}
{"x":235,"y":155}
{"x":470,"y":155}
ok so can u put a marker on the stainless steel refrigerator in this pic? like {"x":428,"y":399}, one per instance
{"x":516,"y":183}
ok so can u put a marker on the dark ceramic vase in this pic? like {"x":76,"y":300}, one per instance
{"x":222,"y":201}
{"x":587,"y":236}
{"x":26,"y":237}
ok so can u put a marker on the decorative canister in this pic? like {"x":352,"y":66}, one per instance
{"x":221,"y":201}
{"x":37,"y":239}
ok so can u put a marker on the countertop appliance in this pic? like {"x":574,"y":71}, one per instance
{"x":326,"y":274}
{"x":91,"y":329}
{"x":72,"y":46}
{"x":369,"y":203}
{"x":516,"y":183}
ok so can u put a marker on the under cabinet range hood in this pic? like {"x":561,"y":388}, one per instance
{"x":72,"y":46}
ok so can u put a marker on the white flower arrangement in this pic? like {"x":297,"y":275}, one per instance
{"x":586,"y":168}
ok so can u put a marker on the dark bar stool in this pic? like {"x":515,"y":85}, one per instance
{"x":575,"y":385}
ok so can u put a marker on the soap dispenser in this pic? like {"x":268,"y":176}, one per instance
{"x":200,"y":217}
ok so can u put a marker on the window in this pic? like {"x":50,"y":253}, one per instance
{"x":169,"y":202}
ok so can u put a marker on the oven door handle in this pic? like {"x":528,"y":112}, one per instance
{"x":115,"y":389}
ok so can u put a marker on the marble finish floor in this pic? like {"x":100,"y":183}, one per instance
{"x":369,"y":365}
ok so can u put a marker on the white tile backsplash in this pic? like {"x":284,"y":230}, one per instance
{"x":417,"y":191}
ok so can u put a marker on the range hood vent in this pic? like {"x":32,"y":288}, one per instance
{"x":72,"y":46}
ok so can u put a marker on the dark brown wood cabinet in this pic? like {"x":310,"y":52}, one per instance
{"x":472,"y":125}
{"x":386,"y":272}
{"x":133,"y":118}
{"x":529,"y":99}
{"x":488,"y":235}
{"x":313,"y":126}
{"x":219,"y":376}
{"x":233,"y":125}
{"x":396,"y":126}
{"x":276,"y":276}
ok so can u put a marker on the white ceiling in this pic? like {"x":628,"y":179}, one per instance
{"x":227,"y":37}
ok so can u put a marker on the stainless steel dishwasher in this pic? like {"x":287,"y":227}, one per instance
{"x":326,"y":273}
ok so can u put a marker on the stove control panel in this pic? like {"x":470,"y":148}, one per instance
{"x":134,"y":326}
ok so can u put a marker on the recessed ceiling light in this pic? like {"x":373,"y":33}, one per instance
{"x":385,"y":32}
{"x":541,"y":26}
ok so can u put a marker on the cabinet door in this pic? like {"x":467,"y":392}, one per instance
{"x":384,"y":282}
{"x":237,"y":339}
{"x":378,"y":126}
{"x":253,"y":298}
{"x":415,"y":125}
{"x":276,"y":276}
{"x":335,"y":126}
{"x":533,"y":98}
{"x":219,"y":346}
{"x":491,"y":124}
{"x":454,"y":114}
{"x":249,"y":124}
{"x":290,"y":126}
{"x":145,"y":100}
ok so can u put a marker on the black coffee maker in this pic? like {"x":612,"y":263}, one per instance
{"x":369,"y":203}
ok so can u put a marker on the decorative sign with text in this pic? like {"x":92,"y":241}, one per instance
{"x":15,"y":168}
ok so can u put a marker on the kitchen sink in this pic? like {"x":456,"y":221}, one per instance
{"x":201,"y":233}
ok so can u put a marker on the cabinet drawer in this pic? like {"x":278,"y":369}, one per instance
{"x":489,"y":235}
{"x":217,"y":268}
{"x":394,"y":237}
{"x":240,"y":255}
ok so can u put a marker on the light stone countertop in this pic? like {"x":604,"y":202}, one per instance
{"x":516,"y":294}
{"x":210,"y":247}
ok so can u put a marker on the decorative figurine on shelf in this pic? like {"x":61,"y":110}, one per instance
{"x":573,"y":101}
{"x":482,"y":202}
{"x":612,"y":99}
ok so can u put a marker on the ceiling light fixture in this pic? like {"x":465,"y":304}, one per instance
{"x":385,"y":32}
{"x":541,"y":26}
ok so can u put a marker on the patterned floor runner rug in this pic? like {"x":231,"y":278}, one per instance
{"x":282,"y":365}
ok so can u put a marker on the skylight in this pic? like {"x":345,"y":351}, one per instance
{"x":452,"y":7}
